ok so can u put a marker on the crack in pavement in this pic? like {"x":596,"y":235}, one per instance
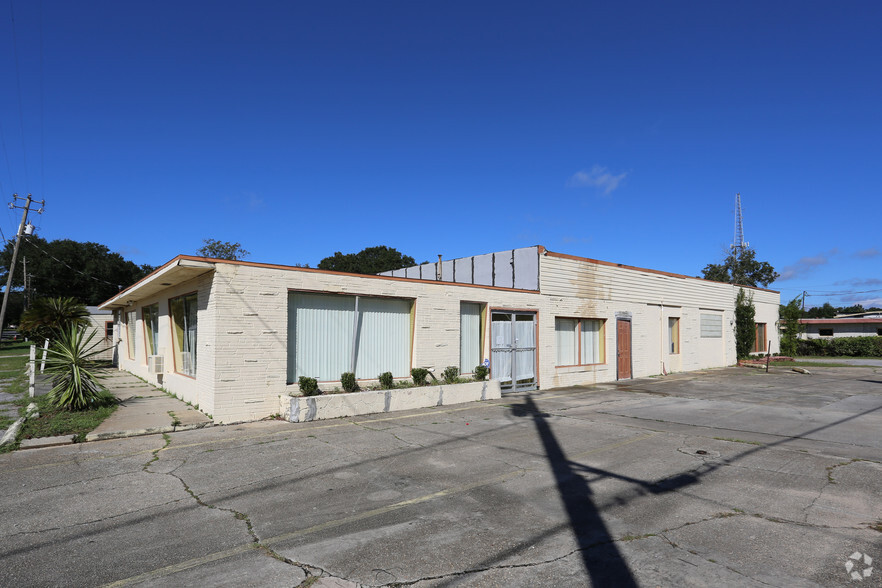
{"x":237,"y":515}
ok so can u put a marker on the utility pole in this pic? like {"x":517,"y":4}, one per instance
{"x":22,"y":228}
{"x":803,"y":300}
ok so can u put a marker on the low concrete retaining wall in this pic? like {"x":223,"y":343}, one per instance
{"x":301,"y":409}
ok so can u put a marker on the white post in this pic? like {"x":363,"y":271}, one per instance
{"x":32,"y":368}
{"x":43,"y":362}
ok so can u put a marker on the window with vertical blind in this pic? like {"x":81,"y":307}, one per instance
{"x":329,"y":334}
{"x":471,"y":340}
{"x":131,"y":322}
{"x":184,"y":323}
{"x":150,"y":316}
{"x":579,"y":341}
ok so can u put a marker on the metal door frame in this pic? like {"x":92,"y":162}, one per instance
{"x":514,"y":348}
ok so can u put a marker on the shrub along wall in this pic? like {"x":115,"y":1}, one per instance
{"x":842,"y":346}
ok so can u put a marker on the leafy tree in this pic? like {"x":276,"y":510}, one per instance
{"x":741,"y":268}
{"x":825,"y":311}
{"x":87,"y":271}
{"x":222,"y":250}
{"x":745,"y":327}
{"x":790,"y":314}
{"x":49,"y":316}
{"x":371,"y":260}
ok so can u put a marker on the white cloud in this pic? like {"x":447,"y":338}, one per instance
{"x":597,"y":177}
{"x":859,"y":282}
{"x":867,"y":253}
{"x":806,"y":265}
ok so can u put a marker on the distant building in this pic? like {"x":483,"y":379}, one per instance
{"x":101,"y":324}
{"x":845,"y":326}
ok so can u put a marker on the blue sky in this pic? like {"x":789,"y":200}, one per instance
{"x":618,"y":131}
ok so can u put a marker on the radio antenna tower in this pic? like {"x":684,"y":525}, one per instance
{"x":740,"y":244}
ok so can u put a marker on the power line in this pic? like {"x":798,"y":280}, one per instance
{"x":65,"y":264}
{"x":844,"y":292}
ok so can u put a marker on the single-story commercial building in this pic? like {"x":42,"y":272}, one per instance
{"x":232,"y":336}
{"x":847,"y":326}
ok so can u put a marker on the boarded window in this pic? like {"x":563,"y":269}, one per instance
{"x":327,"y":333}
{"x":674,"y":334}
{"x":711,"y":326}
{"x":470,"y":336}
{"x":759,"y":342}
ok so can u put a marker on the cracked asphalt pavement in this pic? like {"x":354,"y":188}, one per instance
{"x":729,"y":477}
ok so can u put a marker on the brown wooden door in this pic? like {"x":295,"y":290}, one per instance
{"x":623,"y":349}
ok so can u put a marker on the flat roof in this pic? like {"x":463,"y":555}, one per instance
{"x":185,"y":267}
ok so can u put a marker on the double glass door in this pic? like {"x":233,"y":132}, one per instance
{"x":513,"y":350}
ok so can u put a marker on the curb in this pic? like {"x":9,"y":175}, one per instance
{"x":12,"y":431}
{"x":142,"y":432}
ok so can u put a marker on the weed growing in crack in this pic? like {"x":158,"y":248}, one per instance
{"x":737,"y":440}
{"x":630,"y":537}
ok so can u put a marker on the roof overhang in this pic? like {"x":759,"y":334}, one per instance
{"x":176,"y":271}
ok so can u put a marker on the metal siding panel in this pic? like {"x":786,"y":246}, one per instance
{"x":503,"y":266}
{"x":483,"y":269}
{"x":526,"y":268}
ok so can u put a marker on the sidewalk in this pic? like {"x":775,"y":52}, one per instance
{"x":143,"y":409}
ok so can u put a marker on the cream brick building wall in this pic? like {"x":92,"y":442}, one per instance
{"x":242,"y":340}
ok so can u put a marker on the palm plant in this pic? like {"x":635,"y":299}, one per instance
{"x":47,"y":316}
{"x":71,"y":362}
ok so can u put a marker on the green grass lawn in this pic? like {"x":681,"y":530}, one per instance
{"x":52,"y":421}
{"x":809,"y":363}
{"x":55,"y":421}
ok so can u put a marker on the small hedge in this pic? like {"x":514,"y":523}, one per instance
{"x":450,"y":374}
{"x":308,"y":386}
{"x":841,"y":347}
{"x":419,"y":376}
{"x":481,"y":372}
{"x":347,"y":380}
{"x":387,"y":381}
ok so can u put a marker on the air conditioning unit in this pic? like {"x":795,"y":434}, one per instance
{"x":154,"y":364}
{"x":186,"y":363}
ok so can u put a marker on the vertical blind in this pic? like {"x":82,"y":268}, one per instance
{"x":183,"y":311}
{"x":569,"y":333}
{"x":131,"y":321}
{"x":469,"y":336}
{"x":325,"y":331}
{"x":150,"y":315}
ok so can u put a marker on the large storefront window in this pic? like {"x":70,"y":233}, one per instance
{"x":329,"y":334}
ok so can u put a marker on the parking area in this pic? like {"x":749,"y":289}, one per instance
{"x":725,"y":477}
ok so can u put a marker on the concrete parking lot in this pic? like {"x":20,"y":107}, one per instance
{"x":729,"y":477}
